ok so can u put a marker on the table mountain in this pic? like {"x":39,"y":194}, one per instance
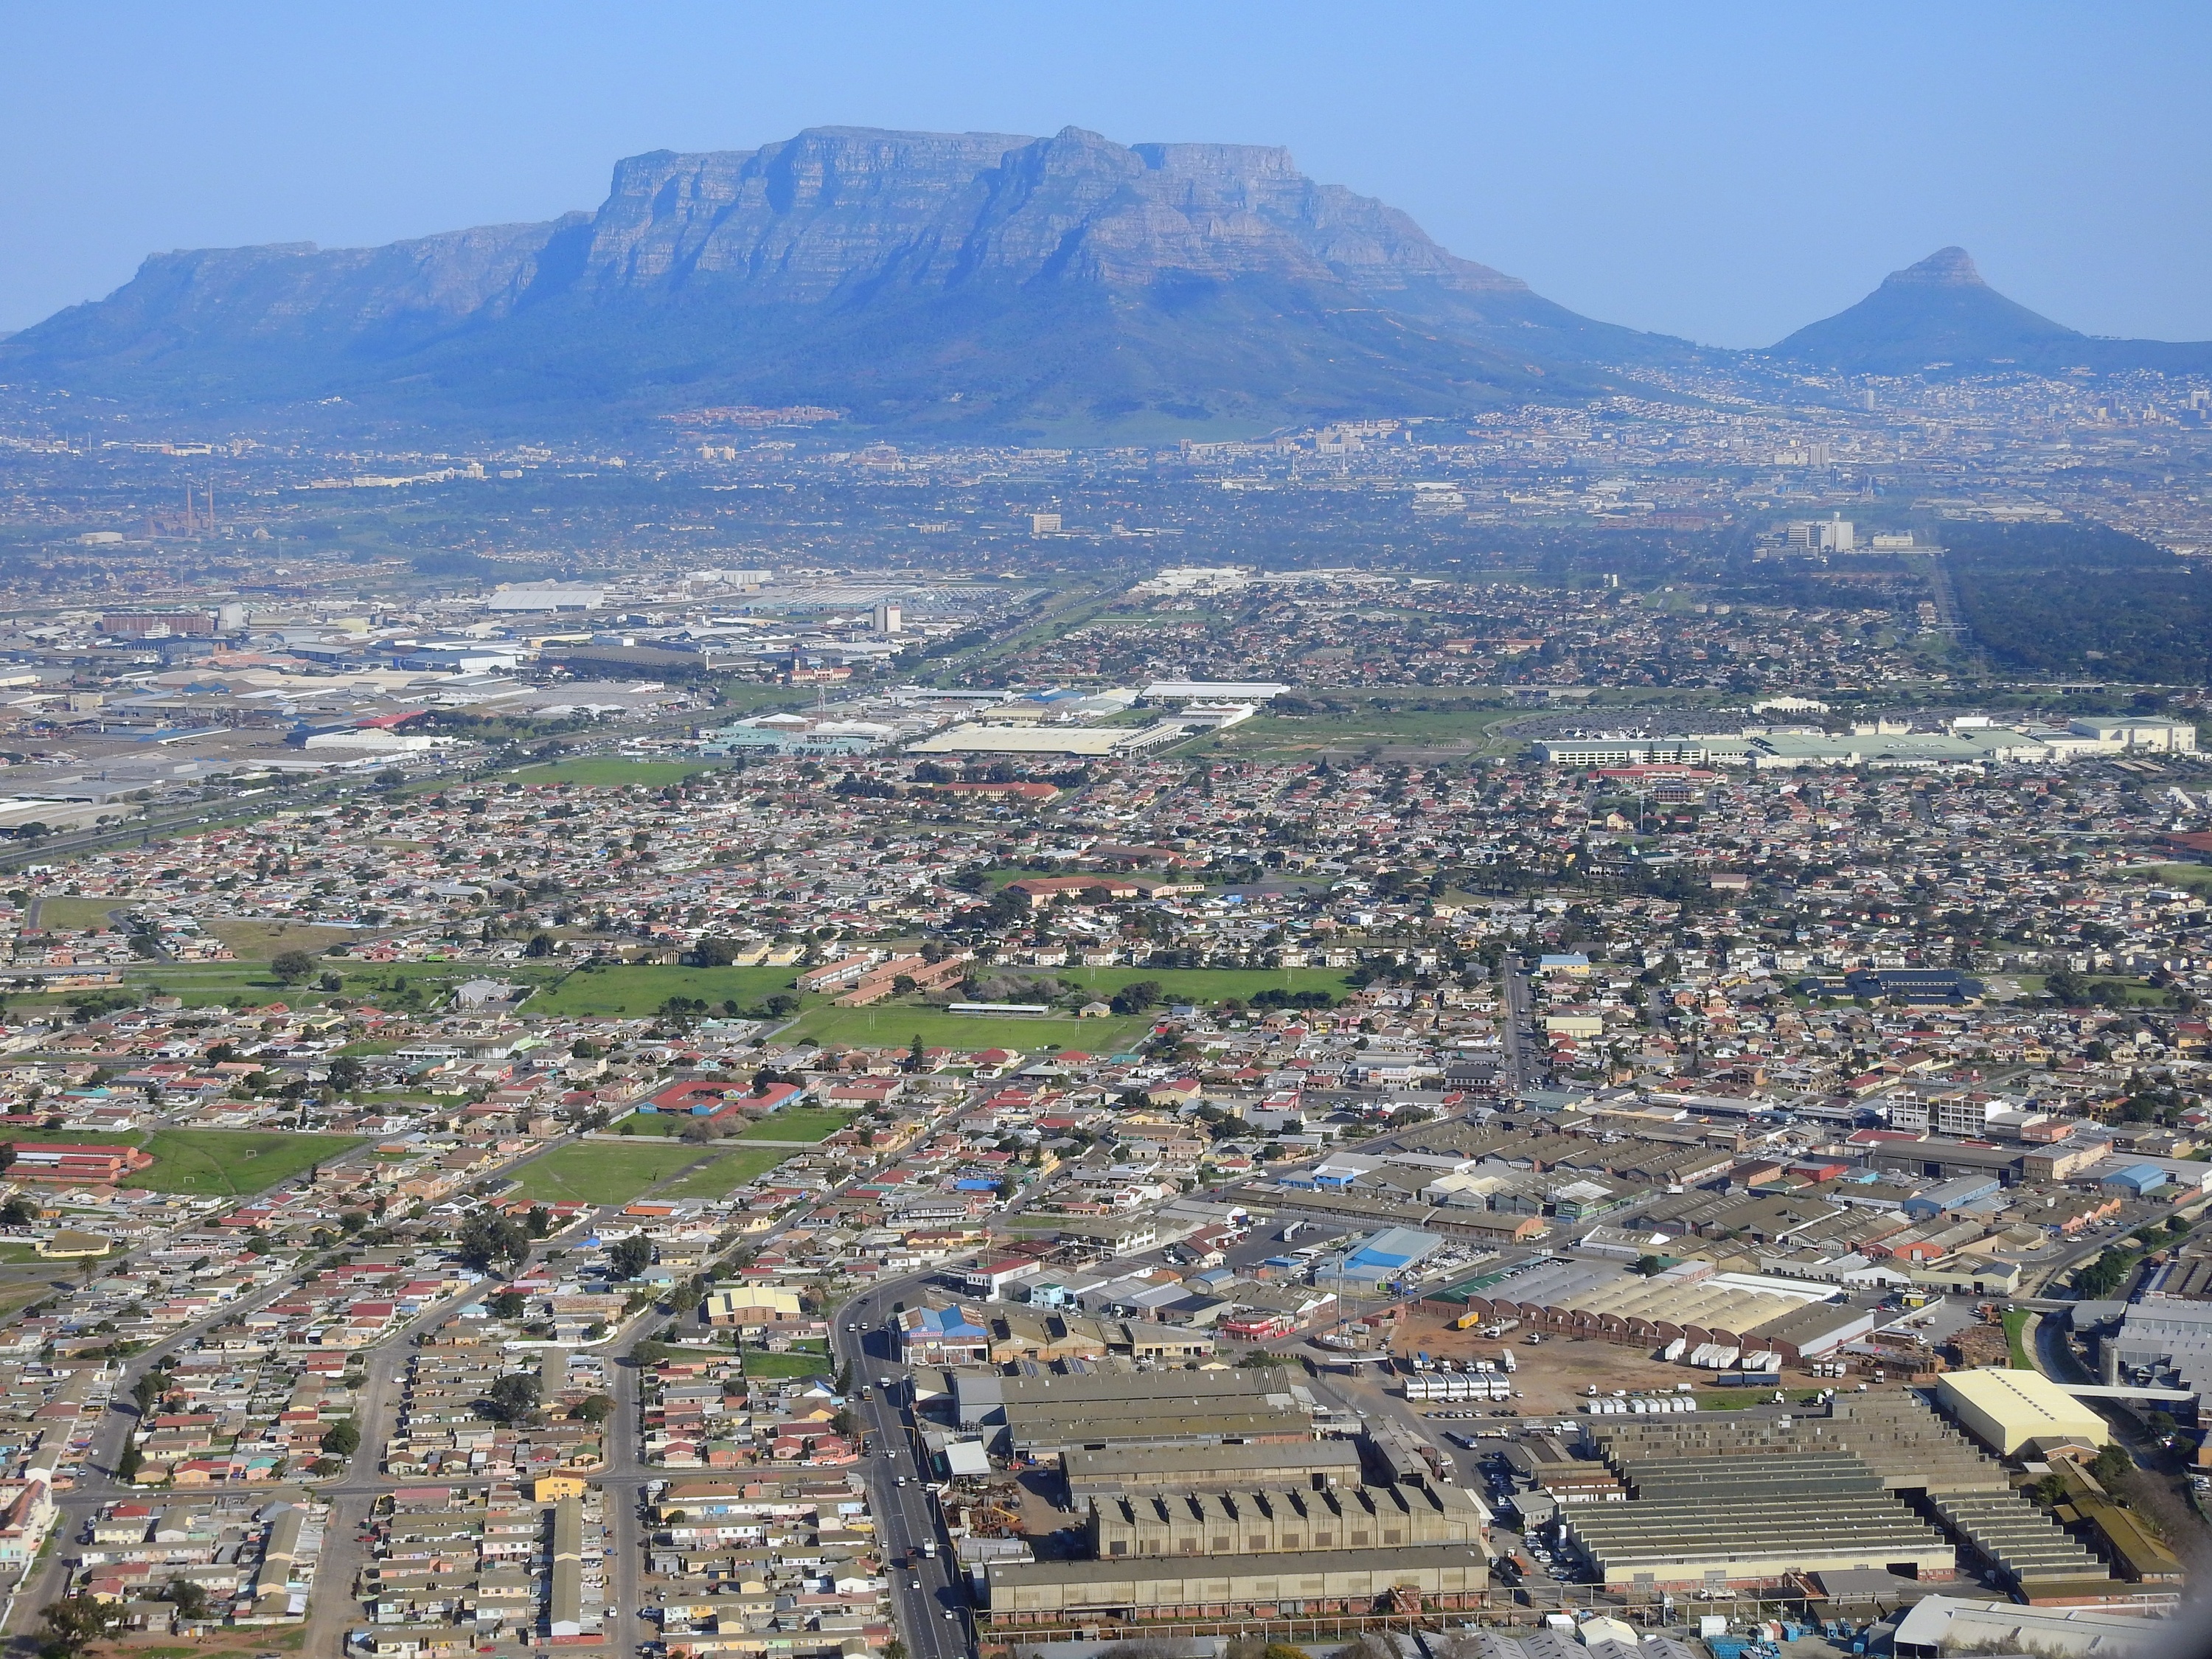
{"x":1941,"y":312}
{"x":978,"y":282}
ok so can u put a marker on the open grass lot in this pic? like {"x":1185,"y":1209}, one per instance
{"x":797,"y":1123}
{"x":641,"y":990}
{"x":730,"y":1170}
{"x":611,"y":771}
{"x":788,"y":1364}
{"x":203,"y":983}
{"x":223,"y":1163}
{"x":1305,"y":737}
{"x":895,"y":1025}
{"x":2195,"y":876}
{"x":597,"y":1173}
{"x":661,"y":1126}
{"x":1201,"y":985}
{"x":259,"y":941}
{"x":77,"y":914}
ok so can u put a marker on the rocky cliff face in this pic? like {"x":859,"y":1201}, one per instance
{"x":1054,"y":280}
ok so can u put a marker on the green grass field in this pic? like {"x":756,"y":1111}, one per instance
{"x":1305,"y":736}
{"x":2016,"y":1328}
{"x":730,"y":1170}
{"x":78,"y":913}
{"x":225,"y":1162}
{"x":611,"y":772}
{"x":2172,"y":875}
{"x":660,"y":1126}
{"x":641,"y":990}
{"x":260,"y":941}
{"x":598,"y":1173}
{"x":1206,"y":986}
{"x":798,"y":1123}
{"x":895,"y":1025}
{"x":771,"y":1365}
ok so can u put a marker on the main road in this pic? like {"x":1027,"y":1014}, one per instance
{"x":1523,"y":1069}
{"x":927,"y":1588}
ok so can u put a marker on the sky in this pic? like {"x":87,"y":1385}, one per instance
{"x":1726,"y":173}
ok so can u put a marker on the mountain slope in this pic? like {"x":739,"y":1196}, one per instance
{"x":1940,"y":312}
{"x":954,"y":281}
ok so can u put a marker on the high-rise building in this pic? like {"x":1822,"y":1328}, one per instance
{"x":1044,"y":524}
{"x":889,"y":620}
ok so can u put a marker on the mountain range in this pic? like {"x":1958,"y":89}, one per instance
{"x":954,"y":283}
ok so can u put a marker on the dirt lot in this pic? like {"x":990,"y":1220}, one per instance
{"x":1553,"y":1374}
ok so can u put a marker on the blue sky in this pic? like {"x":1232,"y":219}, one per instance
{"x":1726,"y":173}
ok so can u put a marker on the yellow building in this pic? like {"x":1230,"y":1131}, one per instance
{"x":2005,"y":1409}
{"x":552,"y":1488}
{"x":752,"y":1304}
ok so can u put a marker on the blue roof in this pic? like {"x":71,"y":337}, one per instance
{"x":1392,"y":1248}
{"x":947,"y":1322}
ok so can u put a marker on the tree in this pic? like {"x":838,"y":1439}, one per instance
{"x":489,"y":1239}
{"x":539,"y":1221}
{"x":1651,"y":1266}
{"x":593,"y":1409}
{"x":292,"y":966}
{"x":2111,"y":1465}
{"x":629,"y":1256}
{"x":126,"y":1465}
{"x":76,"y":1622}
{"x":348,"y":1074}
{"x":507,"y":1304}
{"x":190,"y":1600}
{"x":18,"y":1212}
{"x":512,"y":1397}
{"x":1136,"y":996}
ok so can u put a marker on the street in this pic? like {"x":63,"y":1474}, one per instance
{"x":923,"y":1591}
{"x":1524,"y":1065}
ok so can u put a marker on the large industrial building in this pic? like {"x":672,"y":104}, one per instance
{"x":1305,"y":1584}
{"x":1738,"y":1501}
{"x":1264,"y":1465}
{"x":1972,"y":742}
{"x":1267,"y":1523}
{"x":1720,"y":1522}
{"x":1042,"y":1416}
{"x":1721,"y":1312}
{"x":2005,"y":1410}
